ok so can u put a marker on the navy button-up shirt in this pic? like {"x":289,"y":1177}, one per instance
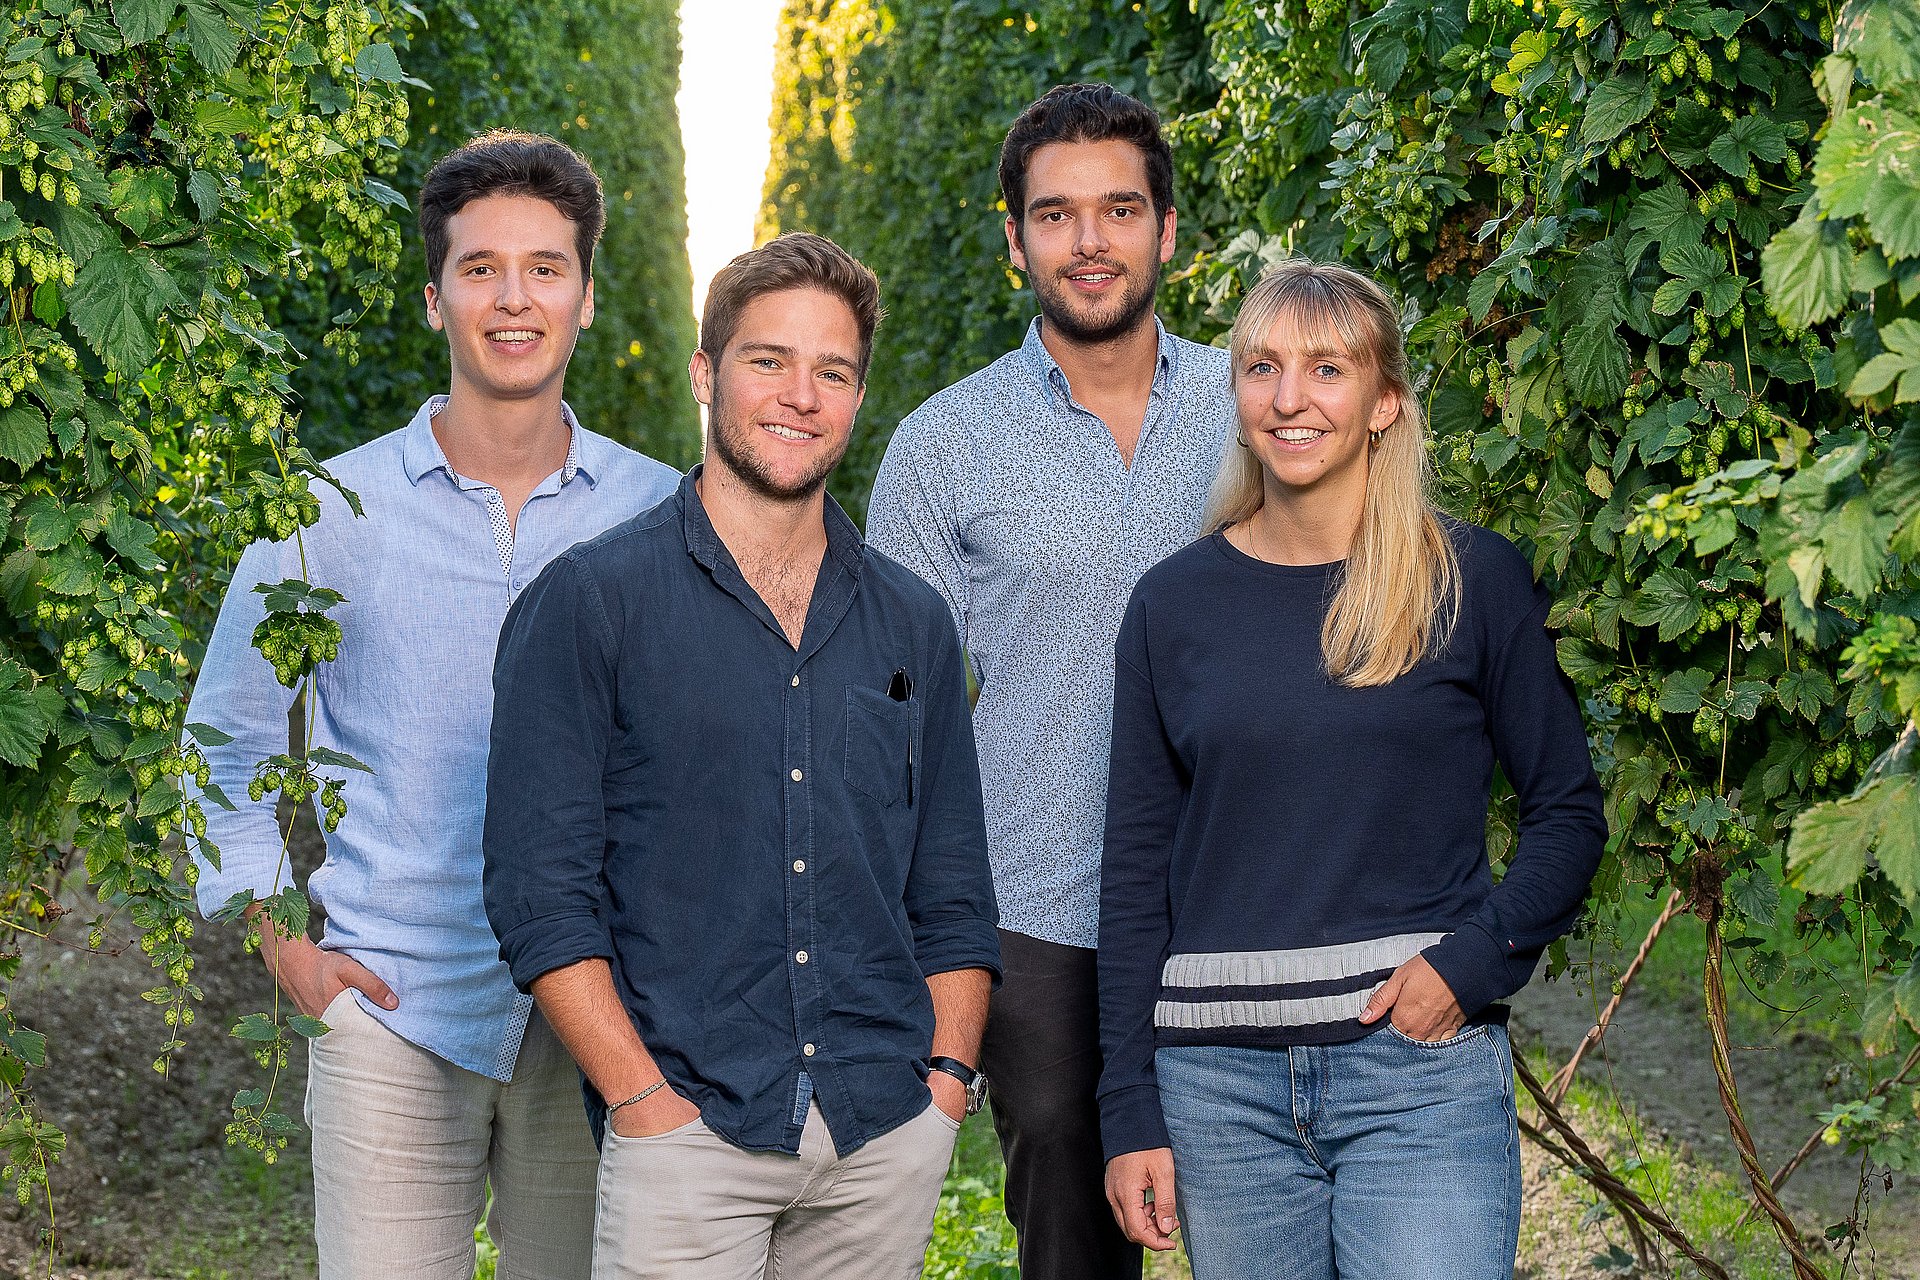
{"x":774,"y":847}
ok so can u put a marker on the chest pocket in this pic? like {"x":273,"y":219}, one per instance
{"x":880,"y":745}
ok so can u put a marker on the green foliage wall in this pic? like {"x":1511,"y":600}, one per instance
{"x":600,"y":75}
{"x":888,"y":121}
{"x":1660,"y":266}
{"x":164,"y":166}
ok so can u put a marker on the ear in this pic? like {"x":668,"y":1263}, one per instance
{"x":434,"y":321}
{"x":586,"y":306}
{"x":700,"y":374}
{"x":1386,"y":410}
{"x":1168,"y":225}
{"x":1014,"y":249}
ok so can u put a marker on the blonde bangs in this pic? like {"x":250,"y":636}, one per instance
{"x":1399,"y":589}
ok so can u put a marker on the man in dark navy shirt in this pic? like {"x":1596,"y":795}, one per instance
{"x":734,"y":844}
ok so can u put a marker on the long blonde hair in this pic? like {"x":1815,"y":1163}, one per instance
{"x":1399,"y":591}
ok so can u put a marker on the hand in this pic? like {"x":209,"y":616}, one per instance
{"x":661,"y":1112}
{"x":948,"y":1094}
{"x":1129,"y":1180}
{"x":312,"y":977}
{"x":1420,"y":1000}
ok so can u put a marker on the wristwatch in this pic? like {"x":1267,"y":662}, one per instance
{"x":974,"y":1081}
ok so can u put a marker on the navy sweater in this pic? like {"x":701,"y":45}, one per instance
{"x":1277,"y":844}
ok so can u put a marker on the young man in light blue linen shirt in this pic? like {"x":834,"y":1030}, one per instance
{"x":436,"y":1078}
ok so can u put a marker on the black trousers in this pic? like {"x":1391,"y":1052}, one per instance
{"x":1042,"y":1059}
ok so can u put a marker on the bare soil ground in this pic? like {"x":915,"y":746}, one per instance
{"x":1656,"y":1056}
{"x":148,"y":1186}
{"x":148,"y":1190}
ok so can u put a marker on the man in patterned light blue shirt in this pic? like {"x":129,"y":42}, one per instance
{"x":435,"y":1078}
{"x":1033,"y":495}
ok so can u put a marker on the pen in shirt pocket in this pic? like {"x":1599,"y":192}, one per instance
{"x":900,"y":689}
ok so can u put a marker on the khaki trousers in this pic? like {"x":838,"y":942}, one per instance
{"x":687,"y":1205}
{"x":405,"y":1145}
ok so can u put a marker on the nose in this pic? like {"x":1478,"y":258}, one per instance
{"x":1289,"y":392}
{"x":512,"y":296}
{"x":798,"y":393}
{"x":1090,"y":238}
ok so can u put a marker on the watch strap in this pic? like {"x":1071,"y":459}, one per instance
{"x":959,"y":1070}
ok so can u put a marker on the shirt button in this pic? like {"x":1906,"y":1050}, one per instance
{"x":799,"y":865}
{"x":796,"y":682}
{"x":799,"y":957}
{"x":796,"y":775}
{"x":807,"y":1049}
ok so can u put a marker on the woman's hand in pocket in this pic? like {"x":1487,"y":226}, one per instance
{"x":1420,"y":1001}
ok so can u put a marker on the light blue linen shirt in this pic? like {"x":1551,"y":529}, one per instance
{"x":1012,"y":500}
{"x":427,"y":575}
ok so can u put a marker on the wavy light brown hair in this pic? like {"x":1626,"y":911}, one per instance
{"x":1399,"y":591}
{"x":795,"y":260}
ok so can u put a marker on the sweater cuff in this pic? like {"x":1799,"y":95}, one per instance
{"x":1473,"y":966}
{"x":1130,"y":1120}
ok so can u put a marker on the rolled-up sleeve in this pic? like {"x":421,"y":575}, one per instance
{"x":545,"y":841}
{"x":949,"y":897}
{"x":238,"y":695}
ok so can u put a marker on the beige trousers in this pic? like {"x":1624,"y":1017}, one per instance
{"x":687,"y":1205}
{"x":405,"y":1144}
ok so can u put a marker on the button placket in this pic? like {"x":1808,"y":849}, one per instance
{"x":799,"y":891}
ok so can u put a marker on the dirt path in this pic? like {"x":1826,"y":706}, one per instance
{"x":148,"y":1186}
{"x":149,"y":1190}
{"x":1656,"y":1057}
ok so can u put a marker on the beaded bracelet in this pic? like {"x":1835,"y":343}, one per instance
{"x":644,"y":1093}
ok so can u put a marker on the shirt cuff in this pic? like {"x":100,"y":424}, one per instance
{"x":972,"y":948}
{"x":214,"y":889}
{"x":1473,"y":966}
{"x":534,"y":948}
{"x":1130,"y":1120}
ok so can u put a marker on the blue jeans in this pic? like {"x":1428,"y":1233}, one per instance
{"x":1382,"y":1159}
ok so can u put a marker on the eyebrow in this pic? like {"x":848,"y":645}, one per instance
{"x":1112,"y":197}
{"x":1318,"y":353}
{"x":788,"y":353}
{"x":538,"y":255}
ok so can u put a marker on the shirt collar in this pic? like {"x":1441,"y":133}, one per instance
{"x":1042,"y":365}
{"x":844,"y":543}
{"x":421,"y":454}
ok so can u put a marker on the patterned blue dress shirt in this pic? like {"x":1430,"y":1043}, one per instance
{"x":1012,"y":500}
{"x":428,"y":575}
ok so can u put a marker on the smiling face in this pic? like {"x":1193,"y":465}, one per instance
{"x":1307,"y":405}
{"x":512,"y":297}
{"x":783,"y":394}
{"x":1089,"y":238}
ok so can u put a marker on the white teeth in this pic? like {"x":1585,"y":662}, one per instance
{"x":1298,"y":435}
{"x":785,"y":432}
{"x":514,"y":335}
{"x":1093,"y":278}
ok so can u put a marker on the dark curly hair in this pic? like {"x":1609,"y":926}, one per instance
{"x":1085,"y":113}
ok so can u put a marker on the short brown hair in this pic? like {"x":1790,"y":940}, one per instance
{"x":1089,"y":112}
{"x":796,"y":260}
{"x":508,"y":162}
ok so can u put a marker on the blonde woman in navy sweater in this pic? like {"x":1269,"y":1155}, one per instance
{"x":1302,"y":949}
